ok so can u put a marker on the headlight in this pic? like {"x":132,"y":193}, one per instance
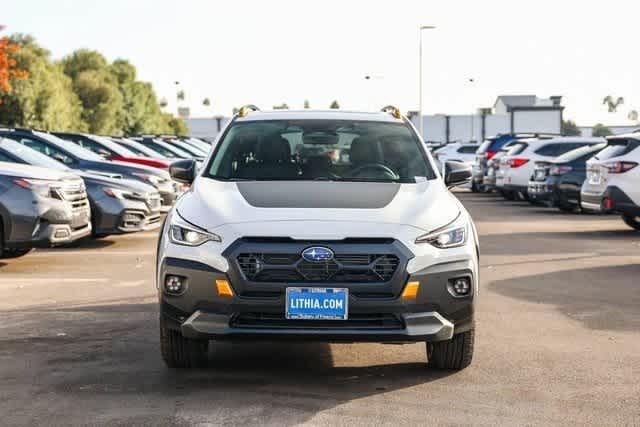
{"x":451,"y":235}
{"x":41,"y":187}
{"x":183,"y":233}
{"x":152,"y":179}
{"x":117,"y":194}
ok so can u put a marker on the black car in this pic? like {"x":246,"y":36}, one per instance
{"x":117,"y":205}
{"x":79,"y":158}
{"x":558,"y":182}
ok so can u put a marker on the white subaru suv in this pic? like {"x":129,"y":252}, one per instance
{"x":613,"y":179}
{"x":318,"y":225}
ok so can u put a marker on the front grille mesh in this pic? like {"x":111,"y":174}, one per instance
{"x":262,"y":267}
{"x":355,"y":321}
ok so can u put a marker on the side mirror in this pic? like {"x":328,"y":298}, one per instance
{"x":456,"y":173}
{"x":183,"y":171}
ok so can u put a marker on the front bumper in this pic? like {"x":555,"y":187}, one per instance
{"x":119,"y":216}
{"x":434,"y":315}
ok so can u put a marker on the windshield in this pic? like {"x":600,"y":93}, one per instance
{"x":194,"y":151}
{"x":617,"y":148}
{"x":516,"y":149}
{"x":167,"y":150}
{"x":572,"y":155}
{"x":320,"y":150}
{"x":70,"y":147}
{"x":139,"y":149}
{"x":31,"y":156}
{"x":110,"y":145}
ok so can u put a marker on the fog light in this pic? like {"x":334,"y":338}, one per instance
{"x":460,"y":287}
{"x":60,"y":234}
{"x":175,"y":285}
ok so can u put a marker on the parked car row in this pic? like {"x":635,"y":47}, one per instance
{"x":56,"y":188}
{"x":570,"y":173}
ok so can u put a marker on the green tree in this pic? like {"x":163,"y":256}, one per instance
{"x":569,"y":128}
{"x":601,"y":130}
{"x":306,"y":104}
{"x":46,"y":99}
{"x":334,"y":105}
{"x":174,"y":125}
{"x":98,"y":88}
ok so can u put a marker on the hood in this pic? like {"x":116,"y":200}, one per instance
{"x":426,"y":205}
{"x":20,"y":170}
{"x":118,"y":183}
{"x":120,"y":168}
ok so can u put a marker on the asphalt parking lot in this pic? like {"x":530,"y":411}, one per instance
{"x":558,"y":341}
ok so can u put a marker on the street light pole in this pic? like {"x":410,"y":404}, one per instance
{"x":420,"y":120}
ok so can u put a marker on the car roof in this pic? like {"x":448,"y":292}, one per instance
{"x":319,"y":115}
{"x":634,"y":135}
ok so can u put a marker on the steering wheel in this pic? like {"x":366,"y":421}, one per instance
{"x":384,"y":169}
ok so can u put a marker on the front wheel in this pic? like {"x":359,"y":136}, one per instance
{"x":14,"y":253}
{"x":180,"y":352}
{"x":632,"y":221}
{"x":455,"y":353}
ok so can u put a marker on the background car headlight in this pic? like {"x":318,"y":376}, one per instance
{"x":183,"y":233}
{"x":116,"y":193}
{"x":41,"y":187}
{"x":451,"y":235}
{"x":151,"y":179}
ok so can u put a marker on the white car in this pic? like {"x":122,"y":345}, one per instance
{"x":456,"y":151}
{"x":613,"y":179}
{"x":519,"y":163}
{"x":318,"y":225}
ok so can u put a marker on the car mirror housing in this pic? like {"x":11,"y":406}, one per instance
{"x":183,"y":171}
{"x":456,"y":173}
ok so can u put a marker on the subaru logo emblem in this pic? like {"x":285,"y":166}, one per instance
{"x":317,"y":254}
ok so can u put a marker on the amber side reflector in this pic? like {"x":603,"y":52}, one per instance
{"x":411,"y":290}
{"x":224,"y":288}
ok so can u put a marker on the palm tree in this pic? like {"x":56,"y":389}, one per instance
{"x":611,"y":104}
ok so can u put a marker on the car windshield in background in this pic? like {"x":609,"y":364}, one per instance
{"x":572,"y":155}
{"x":337,"y":150}
{"x":70,"y":147}
{"x":30,"y":156}
{"x":167,"y":150}
{"x":617,"y":148}
{"x":116,"y":148}
{"x":140,"y":149}
{"x":516,"y":149}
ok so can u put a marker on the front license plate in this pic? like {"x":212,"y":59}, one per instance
{"x":317,"y":303}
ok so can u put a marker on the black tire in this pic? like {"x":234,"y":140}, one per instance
{"x":455,"y":353}
{"x":632,"y":221}
{"x":474,"y":187}
{"x":8,"y":253}
{"x":567,"y":207}
{"x":180,"y":352}
{"x":508,"y":195}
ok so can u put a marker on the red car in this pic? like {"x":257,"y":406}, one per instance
{"x":112,"y":151}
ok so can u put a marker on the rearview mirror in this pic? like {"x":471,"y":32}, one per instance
{"x":183,"y":171}
{"x":456,"y":173}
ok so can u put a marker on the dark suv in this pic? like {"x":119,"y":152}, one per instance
{"x":117,"y":205}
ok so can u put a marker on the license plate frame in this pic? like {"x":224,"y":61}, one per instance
{"x":308,"y":303}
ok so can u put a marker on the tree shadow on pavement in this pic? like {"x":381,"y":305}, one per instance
{"x":604,"y":298}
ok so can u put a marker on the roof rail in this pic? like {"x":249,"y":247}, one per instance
{"x":395,"y":111}
{"x":244,"y":110}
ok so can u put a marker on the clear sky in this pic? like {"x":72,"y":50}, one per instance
{"x":269,"y":52}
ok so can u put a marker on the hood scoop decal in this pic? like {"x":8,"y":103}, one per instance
{"x":313,"y":194}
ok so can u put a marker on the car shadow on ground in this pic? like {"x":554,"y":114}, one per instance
{"x":114,"y":349}
{"x":603,"y":298}
{"x":83,"y":244}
